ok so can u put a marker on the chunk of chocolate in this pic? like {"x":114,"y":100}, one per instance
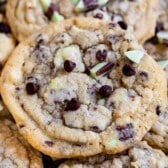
{"x":73,"y":104}
{"x":128,"y":70}
{"x":32,"y":88}
{"x":69,"y":66}
{"x":105,"y":91}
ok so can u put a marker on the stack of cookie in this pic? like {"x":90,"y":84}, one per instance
{"x":85,"y":86}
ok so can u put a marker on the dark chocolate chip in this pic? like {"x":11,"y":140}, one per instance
{"x":32,"y":88}
{"x":87,"y":70}
{"x":128,"y":70}
{"x":143,"y":76}
{"x":105,"y":91}
{"x":125,"y":132}
{"x":69,"y":66}
{"x":99,"y":15}
{"x":158,"y":110}
{"x":4,"y":28}
{"x":90,"y":4}
{"x":105,"y":69}
{"x":49,"y":143}
{"x":52,"y":8}
{"x":123,"y":25}
{"x":159,"y":27}
{"x":21,"y":126}
{"x":101,"y":55}
{"x":73,"y":104}
{"x":95,"y":129}
{"x":48,"y":162}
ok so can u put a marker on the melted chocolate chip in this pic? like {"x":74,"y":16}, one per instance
{"x":101,"y":55}
{"x":4,"y":28}
{"x":49,"y":143}
{"x":158,"y":110}
{"x":50,"y":163}
{"x":99,"y":15}
{"x":73,"y":104}
{"x":105,"y":69}
{"x":123,"y":25}
{"x":69,"y":66}
{"x":125,"y":132}
{"x":105,"y":91}
{"x":52,"y":8}
{"x":90,"y":4}
{"x":128,"y":70}
{"x":32,"y":88}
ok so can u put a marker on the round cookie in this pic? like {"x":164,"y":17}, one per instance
{"x":26,"y":17}
{"x":7,"y":42}
{"x":141,"y":155}
{"x":15,"y":151}
{"x":158,"y":45}
{"x":81,"y":87}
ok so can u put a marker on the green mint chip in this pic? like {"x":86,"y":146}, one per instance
{"x":45,"y":4}
{"x":163,"y":64}
{"x":135,"y":55}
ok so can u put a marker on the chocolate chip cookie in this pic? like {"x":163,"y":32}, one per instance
{"x":7,"y":41}
{"x":158,"y":45}
{"x":15,"y":151}
{"x":81,"y":87}
{"x":26,"y":17}
{"x":141,"y":155}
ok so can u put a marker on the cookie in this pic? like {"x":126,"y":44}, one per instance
{"x":15,"y":151}
{"x":141,"y":155}
{"x":7,"y":41}
{"x":81,"y":87}
{"x":158,"y":45}
{"x":158,"y":135}
{"x":26,"y":17}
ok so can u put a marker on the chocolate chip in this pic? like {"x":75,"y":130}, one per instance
{"x":21,"y":126}
{"x":99,"y":15}
{"x":105,"y":69}
{"x":90,"y":4}
{"x":158,"y":110}
{"x":105,"y":91}
{"x":52,"y":8}
{"x":32,"y":88}
{"x":128,"y":70}
{"x":87,"y":70}
{"x":69,"y":66}
{"x":143,"y":76}
{"x":49,"y":143}
{"x":159,"y":27}
{"x":101,"y":55}
{"x":123,"y":25}
{"x":125,"y":132}
{"x":73,"y":104}
{"x":4,"y":28}
{"x":48,"y":162}
{"x":95,"y":129}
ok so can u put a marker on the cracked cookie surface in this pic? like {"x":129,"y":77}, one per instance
{"x":15,"y":151}
{"x":26,"y":17}
{"x":74,"y":91}
{"x":141,"y":155}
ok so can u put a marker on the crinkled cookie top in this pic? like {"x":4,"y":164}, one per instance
{"x":84,"y":83}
